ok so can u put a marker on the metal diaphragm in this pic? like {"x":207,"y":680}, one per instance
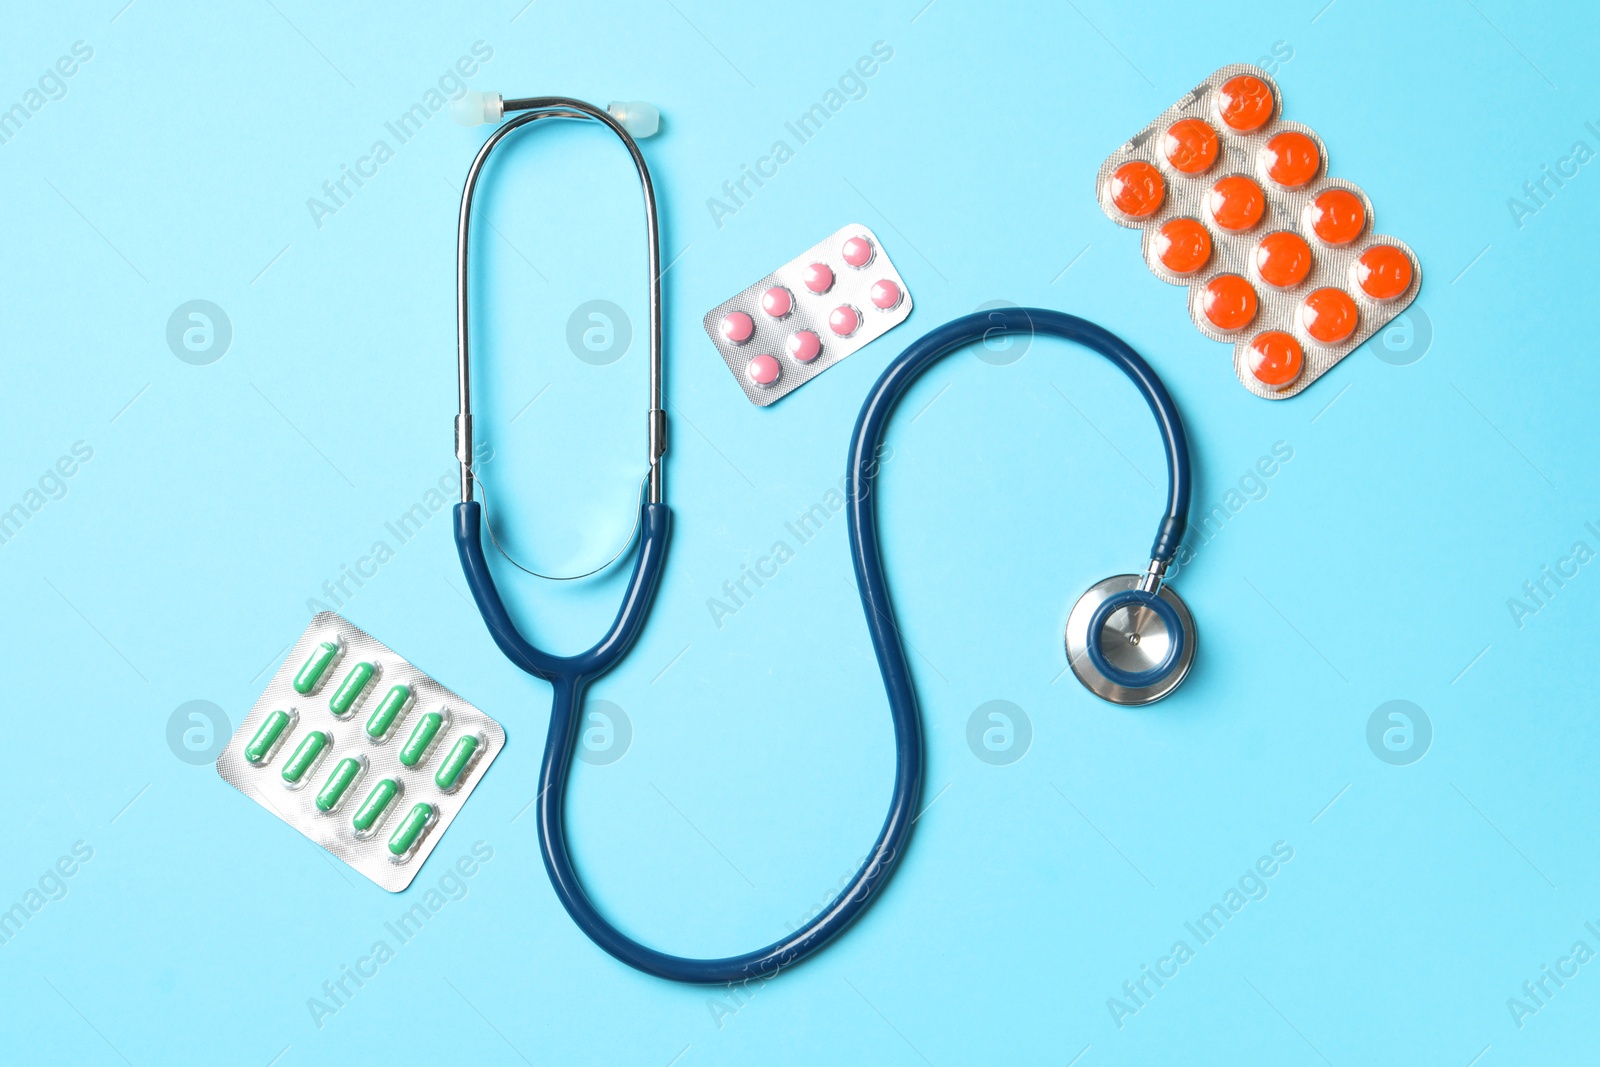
{"x":1133,"y":640}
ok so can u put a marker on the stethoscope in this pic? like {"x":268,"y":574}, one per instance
{"x":1130,"y":638}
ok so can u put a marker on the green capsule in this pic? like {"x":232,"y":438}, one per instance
{"x":456,"y":763}
{"x":350,"y":690}
{"x":305,"y":757}
{"x":339,"y":782}
{"x":423,"y":737}
{"x":310,"y":676}
{"x":370,"y":814}
{"x":409,"y":832}
{"x":387,"y":713}
{"x":265,"y":744}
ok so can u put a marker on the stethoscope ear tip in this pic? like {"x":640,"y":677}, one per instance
{"x":1127,"y":645}
{"x":473,"y":108}
{"x":640,"y":119}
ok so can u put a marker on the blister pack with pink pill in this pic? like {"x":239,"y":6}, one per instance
{"x":830,"y":301}
{"x":1279,"y":259}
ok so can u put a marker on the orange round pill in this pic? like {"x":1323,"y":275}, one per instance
{"x":1190,"y":145}
{"x":1245,"y":103}
{"x":1228,"y":302}
{"x":1182,"y":245}
{"x":1329,"y":316}
{"x":1282,"y":259}
{"x":1236,"y":202}
{"x":1275,"y":358}
{"x":1383,"y":272}
{"x":1137,"y":189}
{"x":1337,"y":216}
{"x":1291,"y":159}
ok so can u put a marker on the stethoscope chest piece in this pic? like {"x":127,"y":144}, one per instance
{"x":1127,"y":645}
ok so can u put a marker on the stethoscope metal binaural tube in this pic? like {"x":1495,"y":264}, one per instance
{"x":558,"y":107}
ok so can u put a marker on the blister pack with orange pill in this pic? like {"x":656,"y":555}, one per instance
{"x":1236,"y":205}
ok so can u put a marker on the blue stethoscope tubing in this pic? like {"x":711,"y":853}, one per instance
{"x":875,"y":412}
{"x":570,"y":676}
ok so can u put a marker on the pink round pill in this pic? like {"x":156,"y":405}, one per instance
{"x":737,"y":327}
{"x":763,"y":370}
{"x":777,"y":302}
{"x":858,"y":252}
{"x":804,"y":346}
{"x":818,"y":277}
{"x":885,"y":295}
{"x":844,"y":320}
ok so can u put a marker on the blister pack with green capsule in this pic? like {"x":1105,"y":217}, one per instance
{"x":361,"y":751}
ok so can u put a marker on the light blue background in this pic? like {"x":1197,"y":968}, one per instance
{"x":220,"y":498}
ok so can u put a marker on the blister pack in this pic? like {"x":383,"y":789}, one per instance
{"x":833,"y":299}
{"x":361,"y":751}
{"x":1279,"y":259}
